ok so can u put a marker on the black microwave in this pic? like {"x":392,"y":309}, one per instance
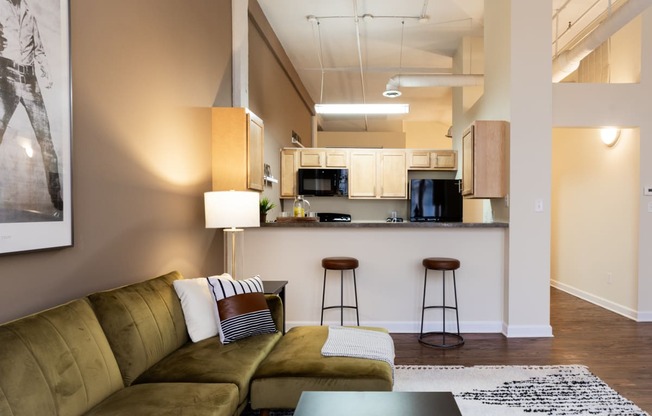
{"x":323,"y":182}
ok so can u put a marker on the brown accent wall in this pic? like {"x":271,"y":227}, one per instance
{"x":144,"y":75}
{"x":274,"y":98}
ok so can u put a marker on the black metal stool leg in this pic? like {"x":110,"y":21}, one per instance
{"x":443,"y":309}
{"x":423,"y":304}
{"x":457,"y":314}
{"x":323,"y":296}
{"x":341,"y":297}
{"x":355,"y":292}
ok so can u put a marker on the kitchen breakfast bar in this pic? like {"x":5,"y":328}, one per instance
{"x":390,"y":273}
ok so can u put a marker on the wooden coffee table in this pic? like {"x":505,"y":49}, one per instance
{"x":376,"y":403}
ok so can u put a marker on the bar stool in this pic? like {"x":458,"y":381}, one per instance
{"x":341,"y":264}
{"x":444,"y":264}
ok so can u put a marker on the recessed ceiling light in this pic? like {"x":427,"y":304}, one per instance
{"x":391,"y":93}
{"x":362,"y":108}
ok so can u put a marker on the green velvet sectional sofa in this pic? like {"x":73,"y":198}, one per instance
{"x":125,"y":352}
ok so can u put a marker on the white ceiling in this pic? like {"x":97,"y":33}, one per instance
{"x":395,"y":41}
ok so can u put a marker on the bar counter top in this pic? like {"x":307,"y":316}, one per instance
{"x":383,"y":224}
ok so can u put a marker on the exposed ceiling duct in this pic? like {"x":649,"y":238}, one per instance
{"x":430,"y":80}
{"x":569,"y":60}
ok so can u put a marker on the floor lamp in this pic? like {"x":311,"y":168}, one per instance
{"x":230,"y":210}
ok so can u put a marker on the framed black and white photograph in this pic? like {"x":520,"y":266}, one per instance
{"x":35,"y":125}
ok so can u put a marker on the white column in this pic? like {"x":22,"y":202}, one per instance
{"x":527,"y":308}
{"x":240,"y":53}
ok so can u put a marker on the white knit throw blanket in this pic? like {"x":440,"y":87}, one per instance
{"x":359,"y":343}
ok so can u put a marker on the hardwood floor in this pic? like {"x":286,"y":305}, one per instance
{"x":616,"y":349}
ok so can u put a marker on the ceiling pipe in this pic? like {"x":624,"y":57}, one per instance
{"x":568,"y":61}
{"x":431,"y":80}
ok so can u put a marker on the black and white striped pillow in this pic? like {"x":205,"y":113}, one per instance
{"x":241,"y":307}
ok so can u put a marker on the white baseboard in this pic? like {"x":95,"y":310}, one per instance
{"x":400,"y":327}
{"x":604,"y":303}
{"x":644,"y":316}
{"x":527,"y":331}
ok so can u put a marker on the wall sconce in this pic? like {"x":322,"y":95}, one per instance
{"x":609,"y":135}
{"x":229,"y":210}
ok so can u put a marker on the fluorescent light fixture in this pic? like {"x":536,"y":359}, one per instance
{"x":362,"y":108}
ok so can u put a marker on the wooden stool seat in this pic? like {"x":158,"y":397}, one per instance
{"x":339,"y":263}
{"x":441,"y":263}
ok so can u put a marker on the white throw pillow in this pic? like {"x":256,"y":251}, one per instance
{"x":199,"y":309}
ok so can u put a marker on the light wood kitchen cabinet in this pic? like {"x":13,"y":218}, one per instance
{"x":373,"y":173}
{"x":337,"y":158}
{"x":392,"y":174}
{"x":362,"y":174}
{"x":377,"y":174}
{"x":432,"y":159}
{"x":237,"y":149}
{"x":483,"y":159}
{"x":445,"y":160}
{"x":289,"y":173}
{"x":323,"y":158}
{"x":312,"y":158}
{"x":419,"y":159}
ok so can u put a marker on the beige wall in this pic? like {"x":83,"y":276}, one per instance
{"x":375,"y":139}
{"x":595,"y":218}
{"x":144,"y":77}
{"x":600,"y":220}
{"x":426,"y":135}
{"x":273,"y":98}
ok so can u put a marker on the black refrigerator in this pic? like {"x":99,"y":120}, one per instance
{"x":435,"y":200}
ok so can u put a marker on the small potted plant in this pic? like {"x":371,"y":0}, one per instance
{"x":265,"y":206}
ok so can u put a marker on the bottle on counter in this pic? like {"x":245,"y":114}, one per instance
{"x":301,"y":206}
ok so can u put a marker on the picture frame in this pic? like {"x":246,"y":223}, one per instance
{"x":36,"y":136}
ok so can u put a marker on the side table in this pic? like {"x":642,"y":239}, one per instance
{"x":276,"y":287}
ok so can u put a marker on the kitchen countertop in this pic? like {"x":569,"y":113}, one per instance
{"x":383,"y":224}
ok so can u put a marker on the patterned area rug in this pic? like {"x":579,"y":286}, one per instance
{"x":563,"y":390}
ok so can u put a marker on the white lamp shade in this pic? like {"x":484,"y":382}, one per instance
{"x":231,"y":209}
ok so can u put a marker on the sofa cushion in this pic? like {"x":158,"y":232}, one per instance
{"x":210,"y":361}
{"x":242,"y":310}
{"x":57,"y":362}
{"x":296,"y":365}
{"x":168,"y":399}
{"x":143,"y":322}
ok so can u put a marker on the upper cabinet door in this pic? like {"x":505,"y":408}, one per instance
{"x":362,"y":174}
{"x":419,"y":159}
{"x":237,"y":149}
{"x":393,"y":174}
{"x":427,"y":159}
{"x":288,"y":173}
{"x":337,"y":158}
{"x":484,"y":146}
{"x":255,"y":155}
{"x":311,"y":158}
